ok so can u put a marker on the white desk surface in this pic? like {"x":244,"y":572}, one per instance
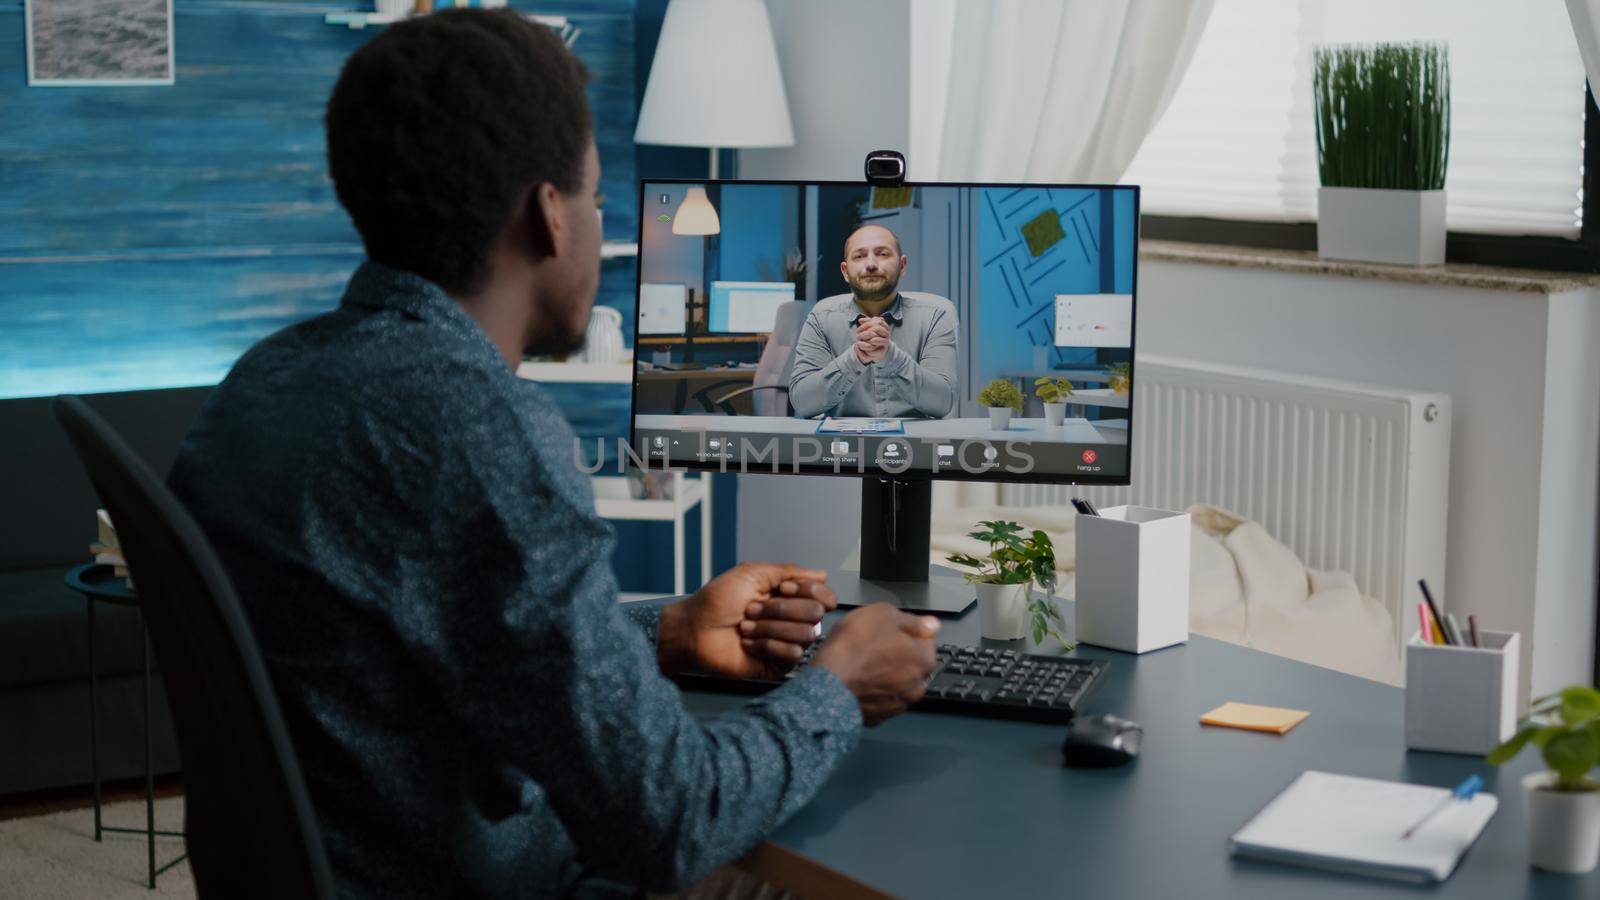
{"x":1073,"y":431}
{"x":1098,"y":397}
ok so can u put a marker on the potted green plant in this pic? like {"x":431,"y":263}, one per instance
{"x":1015,"y":561}
{"x":794,"y":266}
{"x":1383,"y":144}
{"x":1564,"y":802}
{"x":1053,"y":391}
{"x":1003,"y":398}
{"x":1121,"y":377}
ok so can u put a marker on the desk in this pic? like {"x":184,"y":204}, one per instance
{"x":679,"y":381}
{"x":1025,"y":377}
{"x":944,"y":806}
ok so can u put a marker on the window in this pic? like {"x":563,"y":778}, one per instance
{"x":1238,"y":141}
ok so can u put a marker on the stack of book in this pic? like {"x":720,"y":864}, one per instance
{"x":106,"y":550}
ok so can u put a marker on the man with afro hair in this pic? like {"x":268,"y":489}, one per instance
{"x":420,"y":557}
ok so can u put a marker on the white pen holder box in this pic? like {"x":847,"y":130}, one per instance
{"x":1133,"y":578}
{"x":1462,"y":699}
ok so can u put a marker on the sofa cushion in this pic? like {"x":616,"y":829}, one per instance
{"x":43,"y":634}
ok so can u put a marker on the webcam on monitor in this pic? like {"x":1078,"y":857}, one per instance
{"x":886,"y":168}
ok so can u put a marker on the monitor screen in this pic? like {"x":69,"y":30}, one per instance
{"x":956,"y":331}
{"x":662,"y":308}
{"x":746,"y":307}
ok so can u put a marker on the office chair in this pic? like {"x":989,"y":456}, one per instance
{"x":769,"y":389}
{"x":250,"y":827}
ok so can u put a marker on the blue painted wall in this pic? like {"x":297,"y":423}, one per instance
{"x":148,"y":236}
{"x":644,"y":556}
{"x":1093,"y":254}
{"x":760,"y":224}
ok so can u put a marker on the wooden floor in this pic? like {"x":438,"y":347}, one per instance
{"x":39,"y":803}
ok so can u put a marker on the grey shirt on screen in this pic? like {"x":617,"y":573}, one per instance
{"x":422,"y":564}
{"x":916,"y":379}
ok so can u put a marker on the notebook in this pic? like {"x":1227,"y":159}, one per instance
{"x":1254,"y":718}
{"x":831,"y":425}
{"x":1354,"y":825}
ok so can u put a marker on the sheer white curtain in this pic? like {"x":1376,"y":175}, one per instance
{"x":1042,"y":90}
{"x":1585,"y":15}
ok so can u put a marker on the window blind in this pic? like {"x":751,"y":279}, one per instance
{"x":1239,"y":138}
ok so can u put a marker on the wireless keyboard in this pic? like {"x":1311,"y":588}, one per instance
{"x":973,"y":681}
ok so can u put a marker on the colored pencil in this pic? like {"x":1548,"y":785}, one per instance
{"x":1433,"y":609}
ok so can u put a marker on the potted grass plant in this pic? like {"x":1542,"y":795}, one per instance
{"x":1053,"y":391}
{"x":1563,"y":802}
{"x":1003,"y":398}
{"x":1003,"y":577}
{"x":1383,"y":144}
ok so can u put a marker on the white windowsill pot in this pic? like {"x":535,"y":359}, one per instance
{"x":1404,"y":228}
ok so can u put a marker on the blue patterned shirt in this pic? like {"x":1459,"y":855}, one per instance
{"x":424,"y":570}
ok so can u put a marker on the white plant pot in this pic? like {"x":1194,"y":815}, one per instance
{"x":999,"y":418}
{"x":1563,"y":827}
{"x":1374,"y":225}
{"x":1002,"y":610}
{"x":1055,"y":414}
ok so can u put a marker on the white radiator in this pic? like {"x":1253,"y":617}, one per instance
{"x":1353,"y":477}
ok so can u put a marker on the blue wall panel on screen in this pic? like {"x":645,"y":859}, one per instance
{"x":1036,"y":243}
{"x":149,"y":235}
{"x":758,"y":229}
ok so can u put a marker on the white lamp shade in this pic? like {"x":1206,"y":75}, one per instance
{"x":715,"y":80}
{"x":696,"y":215}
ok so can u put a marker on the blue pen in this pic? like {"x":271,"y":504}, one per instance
{"x":1466,"y":790}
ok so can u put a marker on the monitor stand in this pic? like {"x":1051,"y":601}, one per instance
{"x":896,"y":518}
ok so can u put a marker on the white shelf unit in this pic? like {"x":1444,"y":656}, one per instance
{"x":577,"y":372}
{"x":613,"y":501}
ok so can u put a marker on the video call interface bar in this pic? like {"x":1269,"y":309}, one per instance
{"x":732,"y":451}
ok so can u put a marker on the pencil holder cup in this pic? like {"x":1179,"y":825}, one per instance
{"x":1462,"y":699}
{"x":1133,"y":578}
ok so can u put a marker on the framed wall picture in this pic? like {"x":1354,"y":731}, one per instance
{"x":75,"y":43}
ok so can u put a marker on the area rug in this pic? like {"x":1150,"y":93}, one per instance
{"x":55,"y":856}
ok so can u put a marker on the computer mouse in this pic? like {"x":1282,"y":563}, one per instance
{"x":1096,"y":742}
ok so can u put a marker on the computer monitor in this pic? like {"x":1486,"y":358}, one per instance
{"x":993,"y":287}
{"x":662,"y":308}
{"x":983,"y":290}
{"x":746,"y":307}
{"x":1094,"y":320}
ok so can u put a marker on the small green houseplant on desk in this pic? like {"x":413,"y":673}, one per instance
{"x":1015,"y":561}
{"x":1563,"y":803}
{"x":1003,"y":398}
{"x":1053,"y":391}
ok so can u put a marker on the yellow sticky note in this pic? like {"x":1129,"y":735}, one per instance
{"x":1255,"y":718}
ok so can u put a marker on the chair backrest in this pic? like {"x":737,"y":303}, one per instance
{"x":249,"y":821}
{"x":777,"y":359}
